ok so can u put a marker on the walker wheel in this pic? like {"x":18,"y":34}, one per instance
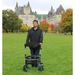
{"x":40,"y":68}
{"x":24,"y":68}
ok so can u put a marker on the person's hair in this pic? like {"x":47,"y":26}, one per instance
{"x":35,"y":21}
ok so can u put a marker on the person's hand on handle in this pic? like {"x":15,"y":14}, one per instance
{"x":40,"y":43}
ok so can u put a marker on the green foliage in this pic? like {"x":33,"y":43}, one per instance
{"x":71,"y":26}
{"x":11,"y":20}
{"x":38,"y":25}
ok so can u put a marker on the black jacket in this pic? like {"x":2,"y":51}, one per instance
{"x":35,"y":35}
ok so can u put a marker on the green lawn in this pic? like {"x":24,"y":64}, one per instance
{"x":56,"y":54}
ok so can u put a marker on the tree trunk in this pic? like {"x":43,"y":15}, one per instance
{"x":11,"y":30}
{"x":71,"y":32}
{"x":6,"y":31}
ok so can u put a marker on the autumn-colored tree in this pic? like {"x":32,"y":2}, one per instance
{"x":44,"y":25}
{"x":66,"y":19}
{"x":2,"y":29}
{"x":49,"y":29}
{"x":24,"y":28}
{"x":29,"y":27}
{"x":52,"y":26}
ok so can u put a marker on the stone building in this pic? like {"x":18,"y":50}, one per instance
{"x":55,"y":17}
{"x":25,"y":13}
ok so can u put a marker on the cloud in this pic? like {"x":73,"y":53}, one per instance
{"x":67,"y":3}
{"x":41,"y":6}
{"x":4,"y":7}
{"x":48,"y":1}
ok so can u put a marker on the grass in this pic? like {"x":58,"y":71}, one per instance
{"x":56,"y":54}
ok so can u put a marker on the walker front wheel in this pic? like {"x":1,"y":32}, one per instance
{"x":24,"y":68}
{"x":40,"y":68}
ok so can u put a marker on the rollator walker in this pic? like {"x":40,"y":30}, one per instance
{"x":37,"y":58}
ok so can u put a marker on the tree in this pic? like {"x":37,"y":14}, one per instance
{"x":5,"y":20}
{"x":71,"y":26}
{"x":38,"y":25}
{"x":29,"y":27}
{"x":49,"y":29}
{"x":19,"y":24}
{"x":24,"y":28}
{"x":52,"y":26}
{"x":44,"y":25}
{"x":66,"y":20}
{"x":11,"y":20}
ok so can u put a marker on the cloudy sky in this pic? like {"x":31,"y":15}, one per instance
{"x":41,"y":6}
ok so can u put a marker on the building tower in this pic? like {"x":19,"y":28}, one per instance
{"x":16,"y":6}
{"x":28,"y":5}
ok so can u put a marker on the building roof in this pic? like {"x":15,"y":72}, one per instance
{"x":28,"y":5}
{"x":40,"y":15}
{"x":60,"y":9}
{"x":50,"y":13}
{"x":17,"y":4}
{"x":32,"y":13}
{"x":19,"y":10}
{"x":22,"y":13}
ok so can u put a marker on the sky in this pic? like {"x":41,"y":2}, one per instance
{"x":41,"y":6}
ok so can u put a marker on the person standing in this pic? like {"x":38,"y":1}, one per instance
{"x":35,"y":34}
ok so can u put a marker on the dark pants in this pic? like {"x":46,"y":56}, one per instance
{"x":35,"y":52}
